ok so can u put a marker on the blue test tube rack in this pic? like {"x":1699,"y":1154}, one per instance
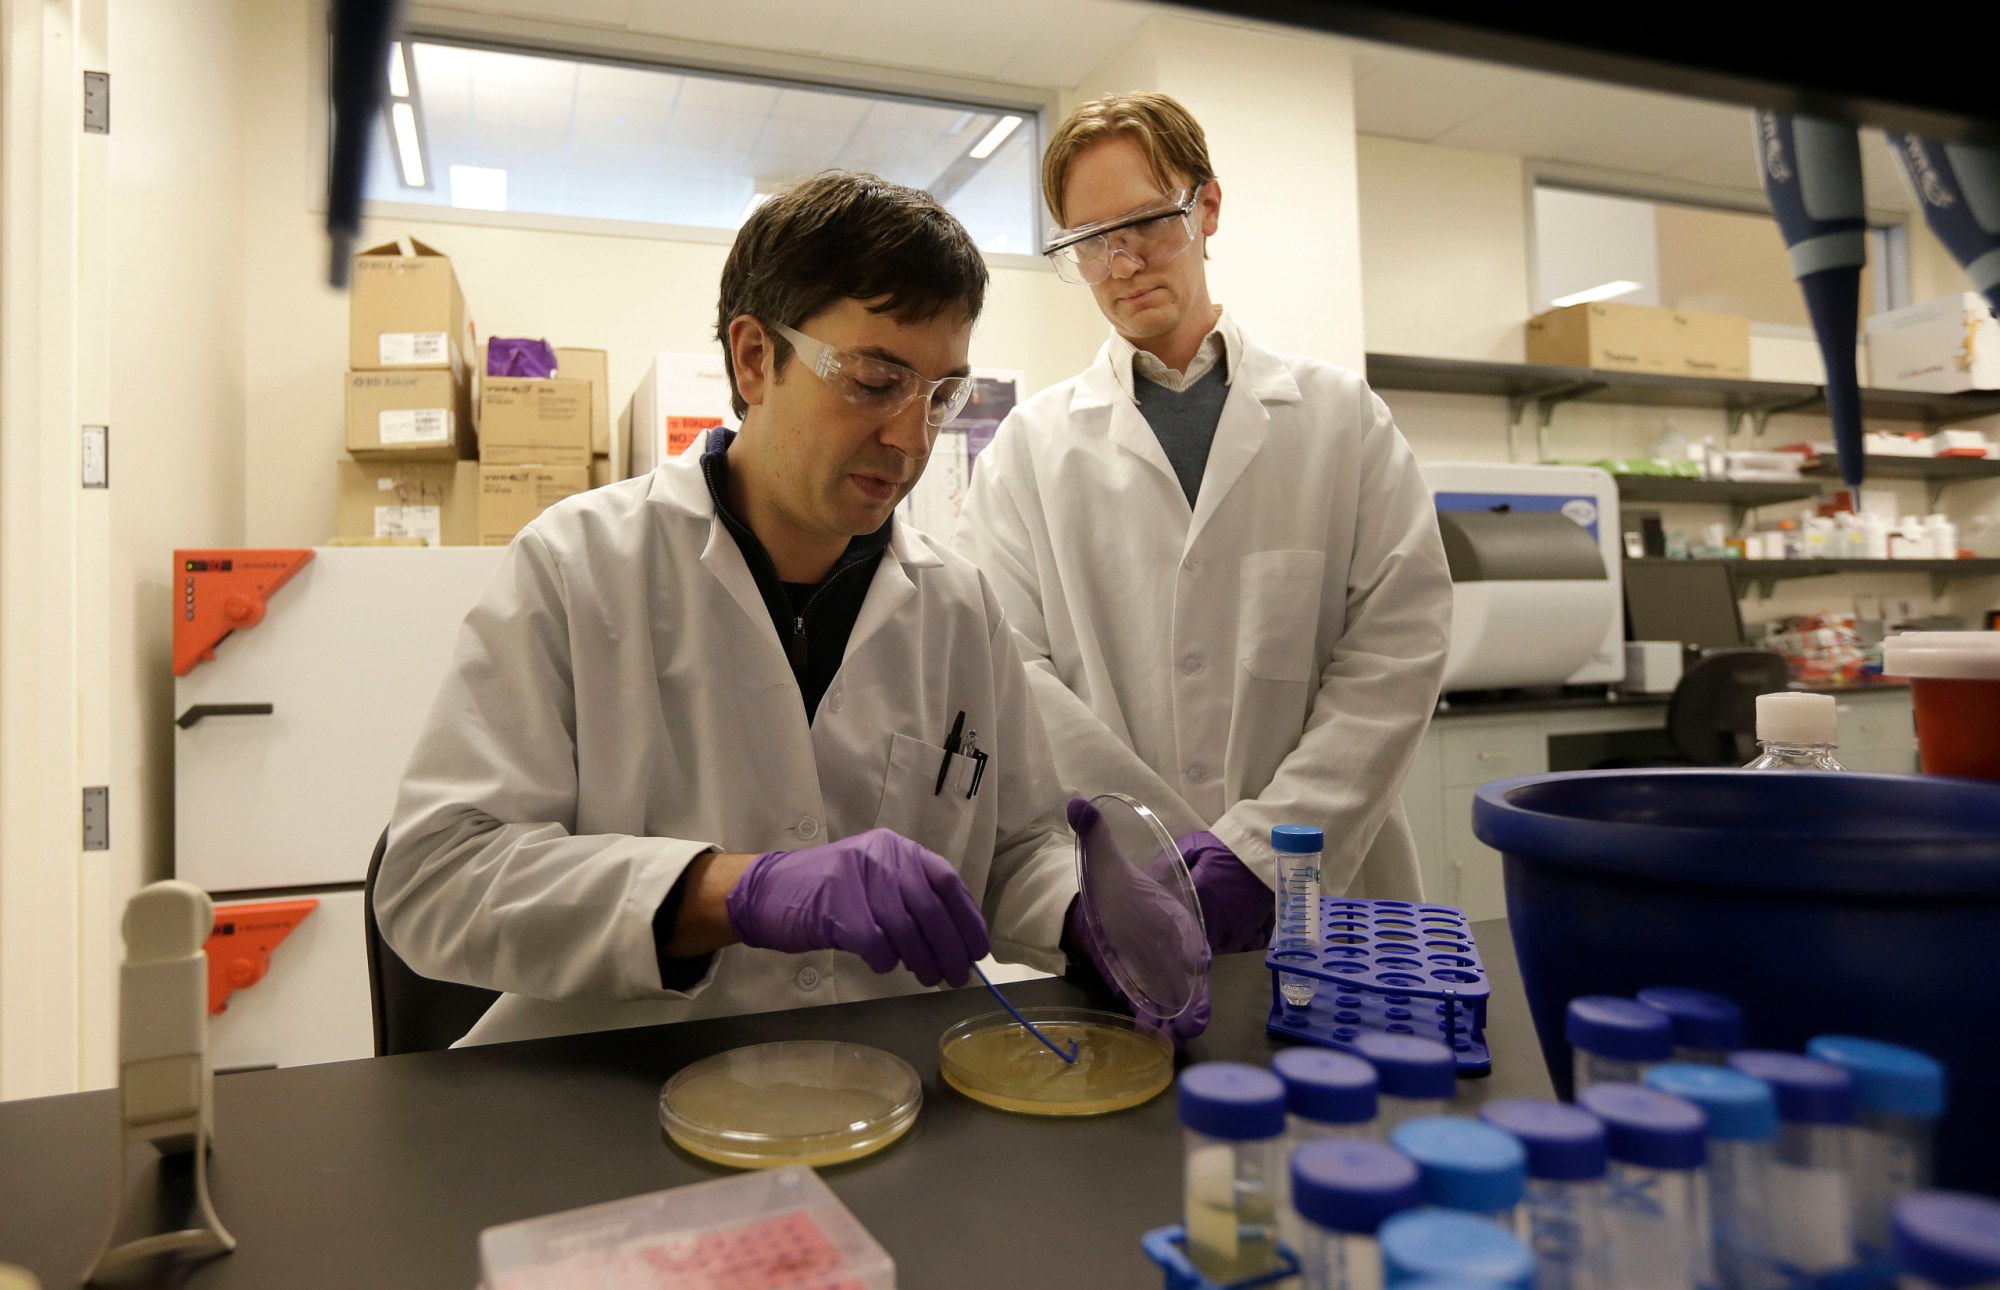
{"x":1389,"y":967}
{"x":1167,"y":1246}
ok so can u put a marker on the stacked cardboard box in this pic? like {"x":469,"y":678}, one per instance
{"x":535,"y":446}
{"x":1641,"y":338}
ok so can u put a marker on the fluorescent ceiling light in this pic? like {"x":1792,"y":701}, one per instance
{"x":1603,"y":291}
{"x":1005,"y":126}
{"x":399,"y":73}
{"x":478,"y":188}
{"x":409,"y":147}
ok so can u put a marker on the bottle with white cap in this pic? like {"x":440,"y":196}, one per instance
{"x":1796,"y":731}
{"x":1947,"y":1240}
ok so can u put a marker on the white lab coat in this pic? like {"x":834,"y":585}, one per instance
{"x":1270,"y":656}
{"x":619,"y":703}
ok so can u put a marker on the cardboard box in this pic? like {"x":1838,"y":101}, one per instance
{"x":681,"y":398}
{"x":1715,"y":345}
{"x":600,"y":472}
{"x":510,"y":496}
{"x":406,"y":311}
{"x":528,"y":422}
{"x":409,"y":416}
{"x":437,"y":501}
{"x":1617,"y":338}
{"x":1791,"y":354}
{"x":1940,"y":347}
{"x":591,"y":365}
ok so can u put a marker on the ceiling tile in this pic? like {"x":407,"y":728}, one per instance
{"x":729,"y":131}
{"x":620,"y":118}
{"x":1419,"y":97}
{"x":1733,"y":165}
{"x":637,"y":84}
{"x":1881,"y":176}
{"x":596,"y":13}
{"x":504,"y":106}
{"x":1598,"y":125}
{"x":788,"y":26}
{"x":724,"y":94}
{"x":1084,"y":36}
{"x":823,"y":106}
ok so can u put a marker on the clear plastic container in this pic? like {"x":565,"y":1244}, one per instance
{"x":1562,"y":1205}
{"x":1901,"y":1096}
{"x":802,"y":1102}
{"x":1742,"y":1116}
{"x":1233,"y":1125}
{"x":1706,"y":1027}
{"x":1811,"y":1193}
{"x":1614,"y":1040}
{"x":1466,"y":1165}
{"x":1415,"y":1077}
{"x":1656,"y":1219}
{"x":1342,"y":1193}
{"x":1946,"y":1240}
{"x":780,"y":1228}
{"x":1451,"y":1246}
{"x":1298,"y":849}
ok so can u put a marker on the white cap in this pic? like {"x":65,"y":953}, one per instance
{"x":1963,"y":656}
{"x":1786,"y":718}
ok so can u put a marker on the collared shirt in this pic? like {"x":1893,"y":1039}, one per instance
{"x":1223,"y":344}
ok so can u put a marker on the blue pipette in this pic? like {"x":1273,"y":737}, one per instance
{"x":1029,"y":1026}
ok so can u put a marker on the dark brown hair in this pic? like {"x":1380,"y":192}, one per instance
{"x":838,"y":236}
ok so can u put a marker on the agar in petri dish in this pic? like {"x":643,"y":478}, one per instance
{"x":802,"y":1102}
{"x":993,"y":1059}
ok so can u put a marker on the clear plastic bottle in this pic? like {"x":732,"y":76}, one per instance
{"x":1415,"y":1077}
{"x":1946,"y":1240}
{"x":1343,"y":1191}
{"x":1811,"y":1195}
{"x":1796,"y":731}
{"x":1562,"y":1204}
{"x":1901,"y":1092}
{"x":1327,"y":1095}
{"x":1233,"y":1126}
{"x":1614,"y":1040}
{"x":1742,"y":1119}
{"x":1656,"y":1207}
{"x":1706,"y":1027}
{"x":1299,"y":848}
{"x":1468,"y":1166}
{"x":1448,"y":1245}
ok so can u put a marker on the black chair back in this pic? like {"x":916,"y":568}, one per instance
{"x":1712,"y":717}
{"x":413,"y":1014}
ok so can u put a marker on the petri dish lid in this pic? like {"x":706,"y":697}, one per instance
{"x":1137,"y":898}
{"x":801,"y":1102}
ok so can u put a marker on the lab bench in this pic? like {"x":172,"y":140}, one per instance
{"x":1468,"y":745}
{"x":382,"y":1173}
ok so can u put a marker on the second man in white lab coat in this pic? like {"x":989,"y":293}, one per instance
{"x":1222,"y":562}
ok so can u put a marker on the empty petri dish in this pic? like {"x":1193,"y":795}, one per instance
{"x":993,"y":1059}
{"x":803,"y":1102}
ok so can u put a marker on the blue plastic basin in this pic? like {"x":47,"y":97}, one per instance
{"x":1853,"y":904}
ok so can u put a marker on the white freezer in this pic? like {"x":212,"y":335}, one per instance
{"x":312,"y":1005}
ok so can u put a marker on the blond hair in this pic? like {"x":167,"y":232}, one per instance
{"x":1176,"y":149}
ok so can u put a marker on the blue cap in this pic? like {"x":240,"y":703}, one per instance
{"x":1951,"y":1238}
{"x":1643,"y":1126}
{"x":1809,"y":1091}
{"x":1447,"y":1243}
{"x":1464,"y":1164}
{"x":1231,"y":1100}
{"x":1298,"y":839}
{"x":1700,"y":1019}
{"x":1325,"y":1086}
{"x":1351,"y":1185}
{"x":1564,"y":1143}
{"x":1887,"y":1077}
{"x":1410,"y":1066}
{"x":1619,"y":1028}
{"x":1739,"y":1107}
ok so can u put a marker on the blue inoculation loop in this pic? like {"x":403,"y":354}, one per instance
{"x":1027,"y":1025}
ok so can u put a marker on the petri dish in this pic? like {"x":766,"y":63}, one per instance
{"x":1138,"y":902}
{"x":802,"y":1102}
{"x":994,"y":1060}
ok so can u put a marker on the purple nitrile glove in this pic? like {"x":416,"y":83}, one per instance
{"x":1141,"y":890}
{"x":1237,"y":909}
{"x":877,"y":894}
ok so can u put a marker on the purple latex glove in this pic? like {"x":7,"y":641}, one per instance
{"x":513,"y":357}
{"x":877,"y":894}
{"x":1193,"y":1020}
{"x":1236,"y":907}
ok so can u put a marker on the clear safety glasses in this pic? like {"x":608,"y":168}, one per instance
{"x":880,"y":386}
{"x":1153,"y":236}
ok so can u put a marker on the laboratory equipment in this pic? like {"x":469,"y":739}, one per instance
{"x":1656,"y":1222}
{"x":1901,"y":1095}
{"x":1615,"y":1039}
{"x":1742,"y":1120}
{"x":1233,"y":1124}
{"x":1343,"y":1192}
{"x":1955,"y":684}
{"x":777,"y":1229}
{"x":1694,"y":604}
{"x":1415,"y":1077}
{"x":1707,"y":1027}
{"x":995,"y":1060}
{"x":1298,"y":849}
{"x":1850,"y":904}
{"x":1959,"y":186}
{"x":1327,"y":1094}
{"x":1563,"y":1200}
{"x":1466,"y":1165}
{"x":800,"y":1102}
{"x":1139,"y":905}
{"x":1947,"y":1241}
{"x":1536,"y":566}
{"x":1796,"y":732}
{"x":1423,"y":1243}
{"x":1811,"y":1194}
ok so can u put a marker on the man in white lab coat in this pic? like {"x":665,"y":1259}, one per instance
{"x":727,"y":738}
{"x":1222,"y":563}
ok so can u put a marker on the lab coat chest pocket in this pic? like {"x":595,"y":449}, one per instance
{"x":912,"y":806}
{"x":1279,"y":614}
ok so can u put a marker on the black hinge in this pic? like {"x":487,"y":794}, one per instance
{"x":97,"y":818}
{"x":97,"y":102}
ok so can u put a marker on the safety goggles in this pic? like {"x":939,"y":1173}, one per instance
{"x":1153,"y":236}
{"x":878,"y":385}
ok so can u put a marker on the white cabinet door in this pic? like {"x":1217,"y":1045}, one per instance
{"x":1479,"y":751}
{"x":312,"y":1005}
{"x":1423,"y":803}
{"x":1474,"y":881}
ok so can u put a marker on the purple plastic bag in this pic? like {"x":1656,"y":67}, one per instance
{"x":532,"y":358}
